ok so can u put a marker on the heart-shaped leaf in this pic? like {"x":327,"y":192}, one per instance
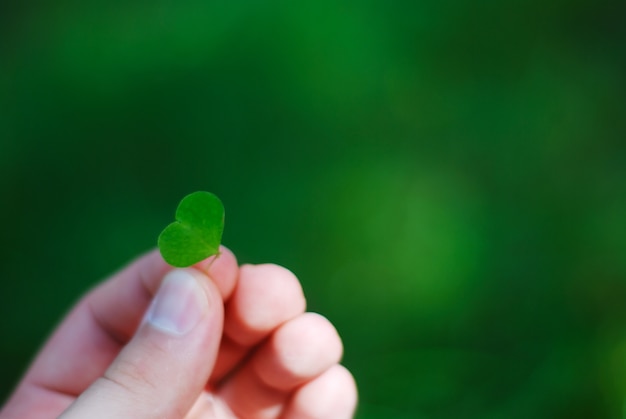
{"x":197,"y":232}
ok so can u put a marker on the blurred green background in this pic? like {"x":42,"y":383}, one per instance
{"x":447,"y":179}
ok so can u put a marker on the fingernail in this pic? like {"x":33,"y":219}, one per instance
{"x":179,"y":304}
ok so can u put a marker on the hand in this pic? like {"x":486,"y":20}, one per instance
{"x":217,"y":341}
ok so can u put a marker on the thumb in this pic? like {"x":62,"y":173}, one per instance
{"x":166,"y":365}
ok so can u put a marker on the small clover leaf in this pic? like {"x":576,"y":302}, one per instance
{"x":197,"y":232}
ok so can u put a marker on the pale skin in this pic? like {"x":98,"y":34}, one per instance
{"x":240,"y":346}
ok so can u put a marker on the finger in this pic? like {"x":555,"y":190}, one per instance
{"x":209,"y":407}
{"x":163,"y":370}
{"x":119,"y":304}
{"x":223,"y":271}
{"x":228,"y":357}
{"x":90,"y":337}
{"x":265,"y":297}
{"x":298,"y":351}
{"x":331,"y":395}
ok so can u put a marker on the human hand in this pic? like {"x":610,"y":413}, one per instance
{"x":217,"y":341}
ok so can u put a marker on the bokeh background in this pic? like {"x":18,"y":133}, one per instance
{"x":447,"y":178}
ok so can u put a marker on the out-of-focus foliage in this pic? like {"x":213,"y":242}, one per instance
{"x":447,"y":178}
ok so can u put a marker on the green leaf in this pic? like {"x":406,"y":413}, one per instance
{"x":197,"y":232}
